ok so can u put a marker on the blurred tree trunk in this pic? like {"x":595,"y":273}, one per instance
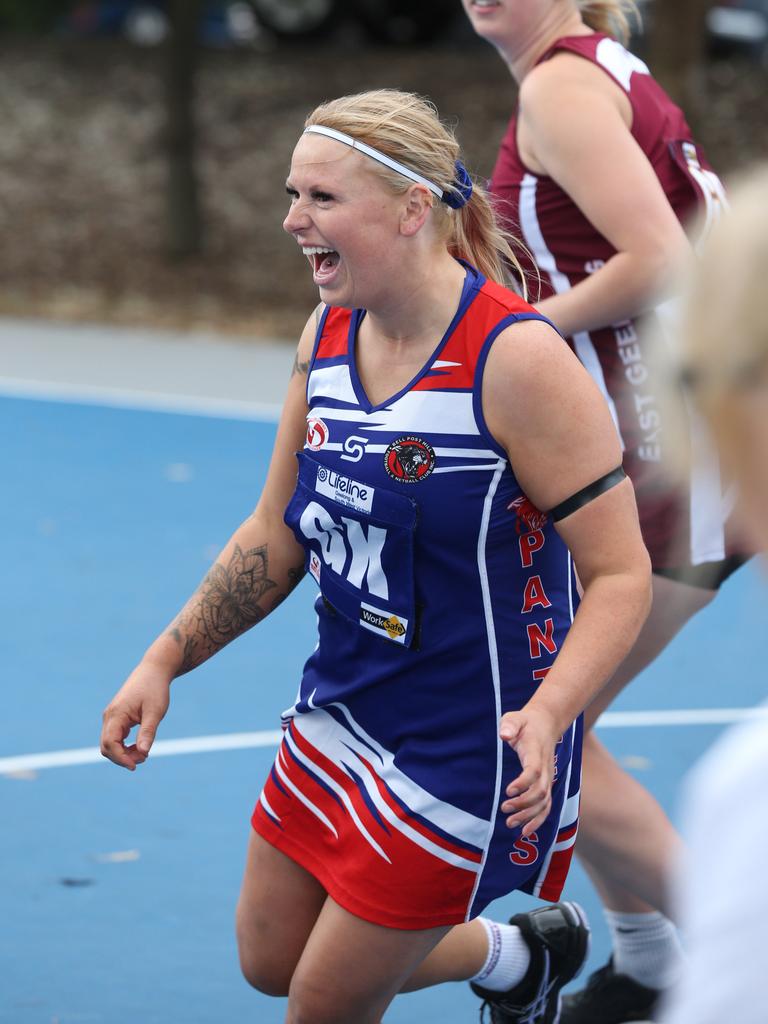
{"x":677,"y":52}
{"x":184,"y":220}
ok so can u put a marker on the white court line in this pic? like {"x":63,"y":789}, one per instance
{"x":692,"y":716}
{"x":270,"y":738}
{"x":161,"y":748}
{"x":124,"y":398}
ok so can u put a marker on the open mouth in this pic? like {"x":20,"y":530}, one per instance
{"x":323,"y":262}
{"x":484,"y":4}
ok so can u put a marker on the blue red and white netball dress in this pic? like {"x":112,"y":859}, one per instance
{"x":681,"y":526}
{"x":444,"y":598}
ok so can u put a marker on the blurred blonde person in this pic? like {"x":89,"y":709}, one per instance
{"x":723,"y":898}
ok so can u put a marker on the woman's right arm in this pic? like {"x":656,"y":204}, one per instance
{"x":574,"y":128}
{"x":258,"y":567}
{"x":542,"y":406}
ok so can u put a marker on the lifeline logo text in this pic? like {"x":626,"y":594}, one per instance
{"x":347,"y":492}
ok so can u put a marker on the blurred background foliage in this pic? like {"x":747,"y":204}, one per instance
{"x":31,"y":15}
{"x":145,"y":144}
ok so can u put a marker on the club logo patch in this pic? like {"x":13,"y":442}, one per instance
{"x":317,"y":434}
{"x":409,"y":459}
{"x":527,"y":516}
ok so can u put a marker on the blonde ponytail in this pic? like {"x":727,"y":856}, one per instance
{"x":614,"y":17}
{"x":479,"y":238}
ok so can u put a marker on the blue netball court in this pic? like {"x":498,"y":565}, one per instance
{"x":119,"y":889}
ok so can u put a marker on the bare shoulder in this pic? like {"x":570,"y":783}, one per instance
{"x":571,"y":116}
{"x":523,"y":351}
{"x":544,"y":409}
{"x":567,"y":80}
{"x":532,"y":377}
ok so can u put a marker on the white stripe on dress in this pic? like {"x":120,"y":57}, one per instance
{"x":493,"y":652}
{"x":434,"y":412}
{"x":619,"y":62}
{"x":332,"y":382}
{"x":706,"y":507}
{"x":268,"y":808}
{"x":297,"y":792}
{"x":324,"y":732}
{"x":565,"y":812}
{"x":337,"y":752}
{"x":545,"y":261}
{"x":340,"y":792}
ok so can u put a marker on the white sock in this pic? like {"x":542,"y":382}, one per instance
{"x":646,"y":947}
{"x":508,"y":957}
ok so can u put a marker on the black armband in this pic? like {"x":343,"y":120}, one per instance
{"x":587,"y":494}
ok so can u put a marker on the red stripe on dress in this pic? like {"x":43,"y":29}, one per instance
{"x":412,"y":888}
{"x":352,"y":789}
{"x":557,"y":872}
{"x":333,"y":342}
{"x":490,"y":305}
{"x":417,"y":825}
{"x":567,"y":832}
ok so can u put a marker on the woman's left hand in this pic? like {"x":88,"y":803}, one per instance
{"x":533,"y":735}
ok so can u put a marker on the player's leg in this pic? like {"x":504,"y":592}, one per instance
{"x":518,"y":969}
{"x":272,"y":940}
{"x":278,"y":907}
{"x":459,"y":956}
{"x":350,"y":969}
{"x":627,"y":844}
{"x":620,"y":823}
{"x":674,"y":604}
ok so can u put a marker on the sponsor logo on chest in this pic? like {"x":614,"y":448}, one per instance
{"x":344,"y":490}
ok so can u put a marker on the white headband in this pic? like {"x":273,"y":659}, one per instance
{"x":375,"y":154}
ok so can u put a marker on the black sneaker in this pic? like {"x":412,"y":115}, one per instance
{"x":558,"y":938}
{"x":610,"y":998}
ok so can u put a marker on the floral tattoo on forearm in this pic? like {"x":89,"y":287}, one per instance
{"x":227,"y":604}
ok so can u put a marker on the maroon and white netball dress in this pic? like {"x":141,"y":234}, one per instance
{"x":684,"y":527}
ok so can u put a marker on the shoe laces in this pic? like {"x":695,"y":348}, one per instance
{"x":502,"y":1011}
